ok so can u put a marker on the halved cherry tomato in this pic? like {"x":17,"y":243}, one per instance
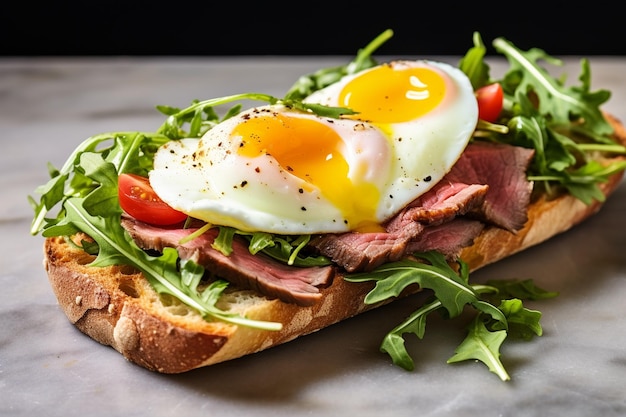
{"x":490,"y":98}
{"x":138,"y":199}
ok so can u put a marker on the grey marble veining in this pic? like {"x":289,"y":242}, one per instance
{"x":48,"y":368}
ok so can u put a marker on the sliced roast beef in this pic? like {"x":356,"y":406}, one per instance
{"x":447,"y":238}
{"x":365,"y":251}
{"x":258,"y":272}
{"x":442,"y":203}
{"x":503,"y":168}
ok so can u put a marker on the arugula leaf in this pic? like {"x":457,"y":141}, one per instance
{"x":485,"y":336}
{"x":564,"y":124}
{"x":522,"y":321}
{"x":483,"y":345}
{"x":452,"y":292}
{"x":394,"y":277}
{"x":201,"y":115}
{"x":286,"y":249}
{"x":557,"y":102}
{"x":473,"y":64}
{"x":393,"y":343}
{"x":130,"y":151}
{"x":522,"y":289}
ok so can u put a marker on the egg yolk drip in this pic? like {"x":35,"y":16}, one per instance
{"x":393,"y":95}
{"x":311,"y":151}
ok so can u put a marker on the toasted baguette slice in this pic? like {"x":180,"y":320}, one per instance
{"x":116,"y":306}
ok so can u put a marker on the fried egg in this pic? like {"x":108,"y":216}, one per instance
{"x":280,"y":170}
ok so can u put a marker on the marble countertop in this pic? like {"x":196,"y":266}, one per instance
{"x":48,"y":368}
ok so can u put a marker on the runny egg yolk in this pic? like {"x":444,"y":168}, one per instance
{"x":393,"y":95}
{"x":313,"y":152}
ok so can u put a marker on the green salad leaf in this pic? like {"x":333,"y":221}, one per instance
{"x":496,"y":315}
{"x":200,"y":116}
{"x":563,"y":124}
{"x":483,"y":345}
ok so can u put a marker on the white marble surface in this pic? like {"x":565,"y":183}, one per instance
{"x":48,"y":368}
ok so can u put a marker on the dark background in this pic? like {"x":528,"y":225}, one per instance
{"x":306,"y":28}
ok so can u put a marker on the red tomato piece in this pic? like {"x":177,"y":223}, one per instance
{"x":138,"y":199}
{"x":490,"y":99}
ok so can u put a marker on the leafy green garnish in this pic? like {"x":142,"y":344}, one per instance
{"x":473,"y":64}
{"x":128,"y":151}
{"x":201,"y":116}
{"x":564,"y":125}
{"x":286,"y":249}
{"x":452,"y":293}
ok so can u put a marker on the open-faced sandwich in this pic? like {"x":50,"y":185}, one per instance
{"x":224,"y":233}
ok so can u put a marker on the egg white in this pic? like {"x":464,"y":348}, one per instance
{"x":208,"y":180}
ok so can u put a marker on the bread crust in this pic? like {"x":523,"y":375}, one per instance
{"x":117,"y":307}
